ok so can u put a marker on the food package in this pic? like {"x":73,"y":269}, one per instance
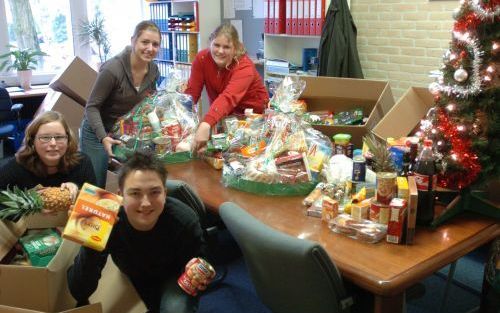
{"x":92,"y":217}
{"x":41,"y":246}
{"x":163,"y":123}
{"x":286,"y":95}
{"x":363,"y":230}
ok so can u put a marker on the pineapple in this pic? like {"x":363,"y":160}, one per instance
{"x":15,"y":202}
{"x":382,"y":161}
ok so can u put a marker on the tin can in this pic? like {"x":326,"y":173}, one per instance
{"x":379,"y":212}
{"x":198,"y":272}
{"x":386,"y":187}
{"x":359,"y":168}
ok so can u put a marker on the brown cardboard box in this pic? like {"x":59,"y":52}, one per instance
{"x":76,"y":81}
{"x":36,"y":288}
{"x":73,"y":112}
{"x":405,"y":114}
{"x":343,"y":94}
{"x":92,"y":308}
{"x":412,"y":210}
{"x":111,"y":182}
{"x":116,"y":293}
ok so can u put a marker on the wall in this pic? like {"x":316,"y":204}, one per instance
{"x":401,"y":41}
{"x":253,"y":28}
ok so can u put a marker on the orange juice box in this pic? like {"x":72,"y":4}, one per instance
{"x":93,"y":217}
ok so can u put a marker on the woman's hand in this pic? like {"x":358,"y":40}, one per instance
{"x":200,"y":138}
{"x":73,"y":190}
{"x":108,"y":143}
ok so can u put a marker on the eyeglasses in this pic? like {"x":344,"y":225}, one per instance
{"x":57,"y":138}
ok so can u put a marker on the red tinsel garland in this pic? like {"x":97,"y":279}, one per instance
{"x":465,"y":157}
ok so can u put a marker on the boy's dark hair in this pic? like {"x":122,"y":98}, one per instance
{"x":141,"y":161}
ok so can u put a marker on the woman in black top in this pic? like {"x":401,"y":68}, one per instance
{"x":49,"y":157}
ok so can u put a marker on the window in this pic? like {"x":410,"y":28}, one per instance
{"x":53,"y":27}
{"x":44,"y":25}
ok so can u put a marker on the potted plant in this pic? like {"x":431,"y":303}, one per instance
{"x":24,"y":61}
{"x":93,"y":32}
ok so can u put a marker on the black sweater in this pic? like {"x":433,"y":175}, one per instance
{"x":14,"y":174}
{"x":147,"y":258}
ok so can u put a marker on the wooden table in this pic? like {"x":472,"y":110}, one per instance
{"x":384,"y":269}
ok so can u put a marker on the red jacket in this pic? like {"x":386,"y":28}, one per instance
{"x":229,"y":90}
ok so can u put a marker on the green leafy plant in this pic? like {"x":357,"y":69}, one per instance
{"x":93,"y":32}
{"x":24,"y":59}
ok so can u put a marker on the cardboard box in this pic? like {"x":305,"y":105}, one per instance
{"x":111,"y":182}
{"x":116,"y":293}
{"x":344,"y":94}
{"x":412,"y":210}
{"x":405,"y":115}
{"x":76,"y":81}
{"x":36,"y":288}
{"x":92,"y":308}
{"x":73,"y":112}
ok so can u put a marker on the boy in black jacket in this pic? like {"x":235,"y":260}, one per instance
{"x":151,"y":243}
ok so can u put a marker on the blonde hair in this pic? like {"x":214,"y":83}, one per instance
{"x":27,"y":155}
{"x":227,"y":29}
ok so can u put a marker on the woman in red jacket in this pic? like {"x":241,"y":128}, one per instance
{"x":230,"y":78}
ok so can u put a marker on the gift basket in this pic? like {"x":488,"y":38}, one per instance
{"x":163,"y":123}
{"x":275,"y":154}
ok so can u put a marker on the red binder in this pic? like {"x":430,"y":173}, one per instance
{"x":294,"y":17}
{"x":320,"y":16}
{"x":288,"y":27}
{"x":271,"y":16}
{"x":300,"y":17}
{"x":279,"y":16}
{"x":307,"y":15}
{"x":312,"y":17}
{"x":266,"y":16}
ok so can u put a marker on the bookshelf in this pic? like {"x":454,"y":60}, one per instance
{"x":185,"y":26}
{"x":285,"y":47}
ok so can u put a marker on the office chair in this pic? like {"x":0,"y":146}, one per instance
{"x":290,"y":275}
{"x":10,"y":120}
{"x":183,"y":192}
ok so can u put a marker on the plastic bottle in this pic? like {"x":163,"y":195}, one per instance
{"x":425,"y":177}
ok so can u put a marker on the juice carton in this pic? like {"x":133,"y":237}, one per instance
{"x":93,"y":217}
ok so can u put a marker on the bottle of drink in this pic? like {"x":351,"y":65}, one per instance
{"x":425,"y":177}
{"x":412,"y":144}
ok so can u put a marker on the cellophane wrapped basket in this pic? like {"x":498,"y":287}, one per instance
{"x":163,"y":123}
{"x":275,"y":154}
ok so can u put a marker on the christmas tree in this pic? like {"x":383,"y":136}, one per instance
{"x":464,"y":122}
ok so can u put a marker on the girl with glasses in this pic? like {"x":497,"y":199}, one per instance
{"x":49,"y":157}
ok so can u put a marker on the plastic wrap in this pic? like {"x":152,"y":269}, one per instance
{"x":163,"y":123}
{"x":363,"y":230}
{"x":284,"y":158}
{"x":286,"y":95}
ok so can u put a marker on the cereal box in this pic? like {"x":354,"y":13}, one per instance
{"x":93,"y":217}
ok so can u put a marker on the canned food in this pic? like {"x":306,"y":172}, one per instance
{"x":198,"y":273}
{"x":386,"y":187}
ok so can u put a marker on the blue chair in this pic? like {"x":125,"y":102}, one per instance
{"x":10,"y":120}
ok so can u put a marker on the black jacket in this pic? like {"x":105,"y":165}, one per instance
{"x":338,"y":52}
